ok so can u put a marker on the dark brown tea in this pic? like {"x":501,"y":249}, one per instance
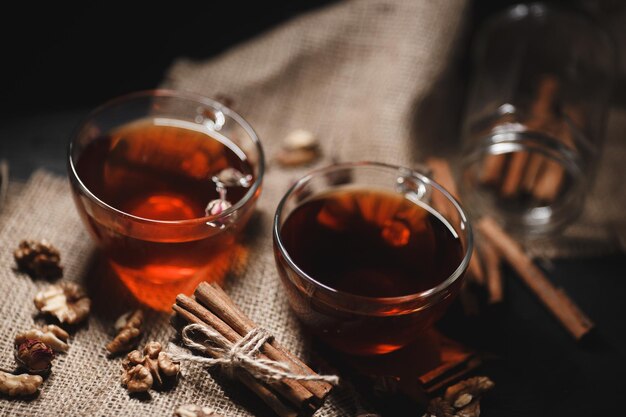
{"x":367,"y":243}
{"x":161,"y":169}
{"x":370,"y":243}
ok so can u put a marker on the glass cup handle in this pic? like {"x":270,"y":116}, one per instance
{"x":412,"y":186}
{"x":212,"y":118}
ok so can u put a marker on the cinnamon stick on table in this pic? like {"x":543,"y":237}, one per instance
{"x":449,"y":372}
{"x":275,"y":402}
{"x":493,"y":275}
{"x":216,"y":300}
{"x":555,"y":299}
{"x":443,"y":175}
{"x":291,"y":390}
{"x":288,"y":397}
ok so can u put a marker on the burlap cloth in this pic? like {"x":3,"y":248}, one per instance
{"x":358,"y":74}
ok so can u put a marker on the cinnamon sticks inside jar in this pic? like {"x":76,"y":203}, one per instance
{"x":530,"y":172}
{"x":535,"y":115}
{"x":529,"y":163}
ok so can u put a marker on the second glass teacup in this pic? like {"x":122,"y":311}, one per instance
{"x":165,"y":182}
{"x":370,"y":254}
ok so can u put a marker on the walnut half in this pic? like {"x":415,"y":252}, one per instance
{"x":51,"y":335}
{"x":463,"y":393}
{"x":152,"y":366}
{"x":23,"y":384}
{"x":38,"y":259}
{"x":192,"y":410}
{"x":128,"y":328}
{"x":66,"y":301}
{"x":300,"y":147}
{"x":461,"y":399}
{"x":137,"y":379}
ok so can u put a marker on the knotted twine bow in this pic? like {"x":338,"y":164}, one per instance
{"x":240,"y":355}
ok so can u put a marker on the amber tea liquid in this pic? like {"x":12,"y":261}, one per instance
{"x":373,"y":244}
{"x":160,"y":169}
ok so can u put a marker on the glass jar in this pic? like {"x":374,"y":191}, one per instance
{"x":535,"y":117}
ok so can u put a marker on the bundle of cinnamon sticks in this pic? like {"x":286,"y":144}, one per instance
{"x":211,"y":306}
{"x":492,"y":246}
{"x":531,"y":174}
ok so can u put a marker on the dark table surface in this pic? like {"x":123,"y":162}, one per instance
{"x":70,"y":64}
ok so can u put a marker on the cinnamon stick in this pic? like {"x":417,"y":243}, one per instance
{"x":443,"y":175}
{"x":533,"y":169}
{"x":542,"y":117}
{"x":548,"y":88}
{"x":492,"y":165}
{"x":550,"y":182}
{"x":524,"y":165}
{"x":293,"y":391}
{"x":514,"y":174}
{"x":281,"y":408}
{"x":491,"y":259}
{"x":491,"y":170}
{"x":475,"y":270}
{"x":555,"y":299}
{"x":448,"y":372}
{"x":213,"y":297}
{"x":468,"y":300}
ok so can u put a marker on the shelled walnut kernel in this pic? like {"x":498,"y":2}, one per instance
{"x":23,"y":384}
{"x":192,"y":410}
{"x":38,"y":259}
{"x":300,"y":147}
{"x":128,"y":328}
{"x":152,"y":366}
{"x":463,"y":393}
{"x":51,"y":335}
{"x":461,"y":399}
{"x":66,"y":301}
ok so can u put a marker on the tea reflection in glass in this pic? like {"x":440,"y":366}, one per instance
{"x":145,"y":171}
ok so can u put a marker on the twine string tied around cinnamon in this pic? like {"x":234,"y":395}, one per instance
{"x":240,"y":355}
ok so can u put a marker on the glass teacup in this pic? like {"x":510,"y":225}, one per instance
{"x":370,"y":254}
{"x":165,"y":181}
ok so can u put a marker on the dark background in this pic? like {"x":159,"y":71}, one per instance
{"x":60,"y":62}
